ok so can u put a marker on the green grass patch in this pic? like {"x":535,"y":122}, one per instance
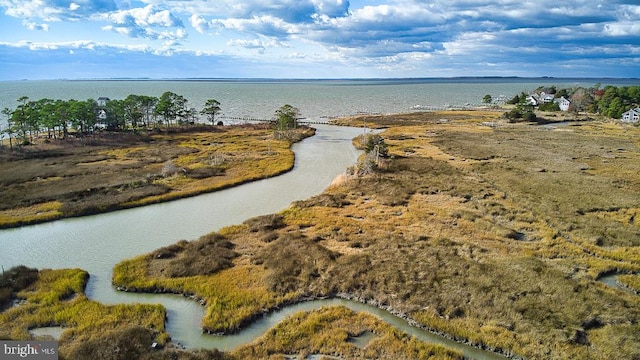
{"x":328,"y":332}
{"x":57,"y":298}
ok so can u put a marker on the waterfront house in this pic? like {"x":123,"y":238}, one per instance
{"x":546,"y":98}
{"x":102,"y":101}
{"x":563,"y":103}
{"x":631,"y":116}
{"x":102,"y":115}
{"x":101,"y":123}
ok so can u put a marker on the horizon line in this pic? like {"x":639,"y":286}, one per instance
{"x":321,"y":79}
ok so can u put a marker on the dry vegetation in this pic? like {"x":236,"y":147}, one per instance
{"x":74,"y":177}
{"x":93,"y":331}
{"x":492,"y":233}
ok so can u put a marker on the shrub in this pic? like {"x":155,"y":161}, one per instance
{"x":294,"y":261}
{"x":207,"y":255}
{"x":170,"y":251}
{"x":512,"y":115}
{"x":205,"y":172}
{"x":170,"y":168}
{"x":324,"y":199}
{"x":14,"y":280}
{"x":529,"y":116}
{"x":127,"y":343}
{"x":265,"y":223}
{"x":375,"y":142}
{"x":552,"y":106}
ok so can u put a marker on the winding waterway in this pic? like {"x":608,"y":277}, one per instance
{"x":97,"y":243}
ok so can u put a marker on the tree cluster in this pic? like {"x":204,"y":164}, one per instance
{"x":287,"y":117}
{"x":613,"y":101}
{"x":523,"y":111}
{"x":375,"y":149}
{"x":609,"y":101}
{"x":58,"y":118}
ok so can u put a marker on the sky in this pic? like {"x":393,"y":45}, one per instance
{"x":314,"y":39}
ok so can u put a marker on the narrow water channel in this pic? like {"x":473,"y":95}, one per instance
{"x":191,"y":336}
{"x":97,"y":243}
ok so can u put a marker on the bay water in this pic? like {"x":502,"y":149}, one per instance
{"x":315,"y":99}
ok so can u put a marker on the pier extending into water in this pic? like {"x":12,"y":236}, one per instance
{"x":249,"y":119}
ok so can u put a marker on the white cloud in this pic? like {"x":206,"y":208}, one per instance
{"x":77,"y":45}
{"x":256,"y":44}
{"x":622,"y":29}
{"x":630,"y":12}
{"x":33,"y":26}
{"x":36,"y":9}
{"x":380,"y":33}
{"x":140,"y":32}
{"x":56,"y":10}
{"x":264,"y":25}
{"x":291,"y":10}
{"x":142,"y":23}
{"x":146,"y":16}
{"x":198,"y":23}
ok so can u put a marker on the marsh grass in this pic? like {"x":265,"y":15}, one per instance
{"x":14,"y":280}
{"x":233,"y":297}
{"x":208,"y":255}
{"x":630,"y":281}
{"x":328,"y":331}
{"x":493,"y":235}
{"x":57,"y":298}
{"x":67,"y":179}
{"x":45,"y":211}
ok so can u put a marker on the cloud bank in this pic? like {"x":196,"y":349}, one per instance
{"x":383,"y":38}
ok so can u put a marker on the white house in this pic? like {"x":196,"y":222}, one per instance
{"x":563,"y":103}
{"x":102,"y":101}
{"x":631,"y":116}
{"x":546,"y":98}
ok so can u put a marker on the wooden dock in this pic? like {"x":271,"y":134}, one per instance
{"x":248,"y":119}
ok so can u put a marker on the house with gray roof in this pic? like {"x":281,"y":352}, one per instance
{"x":631,"y":116}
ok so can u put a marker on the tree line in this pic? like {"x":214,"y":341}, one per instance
{"x":59,"y":118}
{"x":609,"y":101}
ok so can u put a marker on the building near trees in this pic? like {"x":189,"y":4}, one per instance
{"x":631,"y":116}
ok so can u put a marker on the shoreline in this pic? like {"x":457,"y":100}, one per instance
{"x":171,"y":195}
{"x":119,"y":207}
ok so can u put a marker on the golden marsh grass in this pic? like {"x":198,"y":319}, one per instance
{"x":494,"y":235}
{"x":124,"y":170}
